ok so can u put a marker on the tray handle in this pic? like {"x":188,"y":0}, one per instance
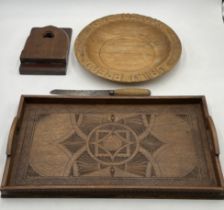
{"x":11,"y":136}
{"x":131,"y":92}
{"x":214,"y":135}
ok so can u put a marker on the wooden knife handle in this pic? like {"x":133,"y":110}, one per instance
{"x":214,"y":135}
{"x":131,"y":92}
{"x":11,"y":136}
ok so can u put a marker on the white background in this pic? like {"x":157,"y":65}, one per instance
{"x":200,"y":71}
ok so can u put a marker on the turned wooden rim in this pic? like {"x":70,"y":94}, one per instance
{"x":165,"y":66}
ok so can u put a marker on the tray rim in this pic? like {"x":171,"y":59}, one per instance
{"x":203,"y":191}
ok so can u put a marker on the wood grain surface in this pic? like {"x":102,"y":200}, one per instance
{"x":127,"y":48}
{"x":46,"y":51}
{"x":112,"y":143}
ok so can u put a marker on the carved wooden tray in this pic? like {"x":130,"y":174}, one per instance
{"x":127,"y":48}
{"x":162,"y":147}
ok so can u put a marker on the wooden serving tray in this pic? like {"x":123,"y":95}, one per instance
{"x":163,"y":147}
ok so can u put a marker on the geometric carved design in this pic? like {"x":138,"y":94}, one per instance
{"x":31,"y":172}
{"x":73,"y":143}
{"x":112,"y":145}
{"x":151,"y":143}
{"x":86,"y":164}
{"x":194,"y":173}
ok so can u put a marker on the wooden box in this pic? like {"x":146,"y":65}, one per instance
{"x":46,"y":51}
{"x":142,"y":147}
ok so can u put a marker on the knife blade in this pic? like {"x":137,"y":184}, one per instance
{"x":116,"y":92}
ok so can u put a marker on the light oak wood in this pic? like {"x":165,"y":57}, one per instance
{"x":132,"y":92}
{"x":127,"y":48}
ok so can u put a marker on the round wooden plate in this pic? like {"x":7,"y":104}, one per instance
{"x":127,"y":48}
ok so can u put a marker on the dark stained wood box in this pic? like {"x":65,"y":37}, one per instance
{"x":46,"y":51}
{"x":142,"y":147}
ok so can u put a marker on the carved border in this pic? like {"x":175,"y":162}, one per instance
{"x":147,"y":73}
